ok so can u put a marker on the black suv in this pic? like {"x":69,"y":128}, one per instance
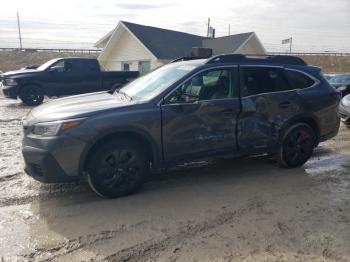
{"x":227,"y":105}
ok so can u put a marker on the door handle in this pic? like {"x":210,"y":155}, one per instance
{"x":284,"y":104}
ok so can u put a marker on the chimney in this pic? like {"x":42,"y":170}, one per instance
{"x":201,"y":52}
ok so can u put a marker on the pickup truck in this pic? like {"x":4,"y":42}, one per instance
{"x":62,"y":77}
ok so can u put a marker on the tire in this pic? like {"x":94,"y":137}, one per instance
{"x":117,"y":168}
{"x":31,"y":95}
{"x":297,"y":145}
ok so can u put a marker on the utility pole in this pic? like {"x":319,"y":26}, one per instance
{"x":208,"y":27}
{"x":229,"y":29}
{"x":290,"y":45}
{"x":19,"y":32}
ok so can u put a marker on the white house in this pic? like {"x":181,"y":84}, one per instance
{"x":137,"y":47}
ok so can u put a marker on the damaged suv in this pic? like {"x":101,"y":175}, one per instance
{"x":227,"y":105}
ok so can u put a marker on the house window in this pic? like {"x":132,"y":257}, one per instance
{"x":126,"y":66}
{"x":144,"y":67}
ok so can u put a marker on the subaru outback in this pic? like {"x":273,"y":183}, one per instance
{"x":191,"y":109}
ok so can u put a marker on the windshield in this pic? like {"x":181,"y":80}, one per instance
{"x":152,"y":84}
{"x":46,"y":65}
{"x":340,"y":79}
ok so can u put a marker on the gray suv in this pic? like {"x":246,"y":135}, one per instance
{"x":227,"y":105}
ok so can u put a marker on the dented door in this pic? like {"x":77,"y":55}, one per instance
{"x":200,"y":128}
{"x":268,"y":101}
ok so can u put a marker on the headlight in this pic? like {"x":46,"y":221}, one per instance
{"x":10,"y":82}
{"x":54,"y":128}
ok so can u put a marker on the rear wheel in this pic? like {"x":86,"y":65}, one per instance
{"x":117,"y":168}
{"x":31,"y":95}
{"x":297,"y":145}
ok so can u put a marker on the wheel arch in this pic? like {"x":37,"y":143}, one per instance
{"x":309,"y":120}
{"x":141,"y":137}
{"x":25,"y":84}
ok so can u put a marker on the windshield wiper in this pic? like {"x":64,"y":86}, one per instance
{"x":129,"y":98}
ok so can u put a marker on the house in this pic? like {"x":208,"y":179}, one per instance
{"x":138,"y":47}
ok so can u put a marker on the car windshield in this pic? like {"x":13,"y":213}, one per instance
{"x":340,"y":79}
{"x":152,"y":84}
{"x":46,"y":65}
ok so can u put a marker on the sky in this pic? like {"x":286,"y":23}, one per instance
{"x":315,"y":26}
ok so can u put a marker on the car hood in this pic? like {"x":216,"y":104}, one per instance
{"x":75,"y":107}
{"x":18,"y":72}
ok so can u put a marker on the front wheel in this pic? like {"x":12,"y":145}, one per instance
{"x":117,"y":168}
{"x":31,"y":95}
{"x":297,"y":145}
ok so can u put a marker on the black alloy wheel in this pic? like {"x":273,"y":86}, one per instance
{"x":297,"y":146}
{"x":117,"y":168}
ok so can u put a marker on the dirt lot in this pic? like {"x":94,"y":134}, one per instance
{"x":12,"y":60}
{"x":232,"y":210}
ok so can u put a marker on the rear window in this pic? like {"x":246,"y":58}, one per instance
{"x":299,"y":80}
{"x":86,"y":65}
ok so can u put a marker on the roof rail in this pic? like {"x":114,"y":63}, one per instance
{"x":188,"y":58}
{"x":280,"y":59}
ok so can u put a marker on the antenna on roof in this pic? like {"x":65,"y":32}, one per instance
{"x":208,"y":27}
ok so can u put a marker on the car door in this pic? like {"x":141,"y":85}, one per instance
{"x":89,"y":75}
{"x":268,"y":101}
{"x":61,"y":79}
{"x":199,"y":116}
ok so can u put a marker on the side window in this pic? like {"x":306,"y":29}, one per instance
{"x":259,"y":80}
{"x":126,"y":66}
{"x":58,"y":67}
{"x":299,"y":80}
{"x":212,"y":84}
{"x":144,"y":67}
{"x":85,"y":65}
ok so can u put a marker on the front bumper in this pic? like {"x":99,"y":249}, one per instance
{"x":10,"y":91}
{"x":42,"y":166}
{"x":52,"y":160}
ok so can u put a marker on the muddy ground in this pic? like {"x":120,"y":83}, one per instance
{"x":233,"y":210}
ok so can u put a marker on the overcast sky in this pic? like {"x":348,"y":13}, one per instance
{"x":318,"y":25}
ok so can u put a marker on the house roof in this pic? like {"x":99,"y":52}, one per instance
{"x":227,"y":44}
{"x":169,"y":44}
{"x":164,"y":43}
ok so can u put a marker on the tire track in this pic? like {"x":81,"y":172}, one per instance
{"x":9,"y":177}
{"x":149,"y":250}
{"x":75,"y":244}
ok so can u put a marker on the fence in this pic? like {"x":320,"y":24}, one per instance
{"x":95,"y":50}
{"x":58,"y":50}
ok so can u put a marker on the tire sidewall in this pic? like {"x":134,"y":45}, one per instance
{"x":31,"y":102}
{"x":281,"y":156}
{"x":97,"y":156}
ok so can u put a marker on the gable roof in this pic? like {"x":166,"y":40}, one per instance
{"x":227,"y":44}
{"x":169,"y":44}
{"x":164,"y":43}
